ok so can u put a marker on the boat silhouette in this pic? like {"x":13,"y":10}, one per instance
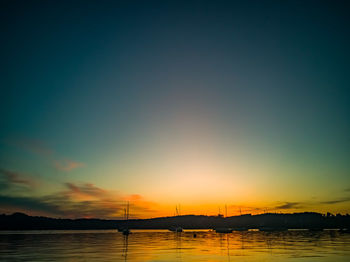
{"x":316,"y":229}
{"x":126,"y":231}
{"x":176,"y":228}
{"x":223,"y":230}
{"x":240,"y":229}
{"x":272,"y":229}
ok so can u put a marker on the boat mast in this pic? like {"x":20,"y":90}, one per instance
{"x":127,"y":211}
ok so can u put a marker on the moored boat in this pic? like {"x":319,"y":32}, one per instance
{"x":272,"y":229}
{"x":223,"y":230}
{"x":316,"y":229}
{"x":240,"y":229}
{"x":125,"y":230}
{"x":176,"y":229}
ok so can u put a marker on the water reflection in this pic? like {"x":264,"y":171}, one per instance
{"x":178,"y":244}
{"x":228,"y":247}
{"x":125,"y":246}
{"x":161,"y":245}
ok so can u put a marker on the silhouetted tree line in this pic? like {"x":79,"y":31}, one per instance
{"x":307,"y":220}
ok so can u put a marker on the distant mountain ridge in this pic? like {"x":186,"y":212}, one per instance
{"x":306,"y":220}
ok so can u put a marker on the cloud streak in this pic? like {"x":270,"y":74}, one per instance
{"x":289,"y":205}
{"x":336,"y":201}
{"x":15,"y":178}
{"x":40,"y":148}
{"x":34,"y":146}
{"x":79,"y":201}
{"x":67,"y":165}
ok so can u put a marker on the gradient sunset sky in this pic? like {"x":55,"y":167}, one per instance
{"x":160,"y":103}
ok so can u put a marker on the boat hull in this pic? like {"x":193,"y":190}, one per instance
{"x":223,"y":230}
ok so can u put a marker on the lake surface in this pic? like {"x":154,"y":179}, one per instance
{"x":162,"y":245}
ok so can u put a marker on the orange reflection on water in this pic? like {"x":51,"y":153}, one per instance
{"x":249,"y":246}
{"x":163,"y":245}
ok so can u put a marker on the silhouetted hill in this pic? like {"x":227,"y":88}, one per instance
{"x":20,"y":221}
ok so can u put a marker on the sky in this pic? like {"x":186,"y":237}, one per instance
{"x":200,"y":104}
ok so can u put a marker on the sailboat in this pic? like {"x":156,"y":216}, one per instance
{"x":176,"y":228}
{"x":126,"y":230}
{"x":223,"y":229}
{"x":121,"y":228}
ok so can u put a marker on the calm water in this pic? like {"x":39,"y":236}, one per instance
{"x":161,"y":245}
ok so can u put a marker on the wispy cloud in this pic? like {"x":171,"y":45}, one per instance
{"x":33,"y":145}
{"x":67,"y":165}
{"x":243,"y":209}
{"x":40,"y":148}
{"x":80,"y":200}
{"x":289,"y":205}
{"x":272,"y":207}
{"x":336,"y":201}
{"x":86,"y":191}
{"x":17,"y":178}
{"x":31,"y":205}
